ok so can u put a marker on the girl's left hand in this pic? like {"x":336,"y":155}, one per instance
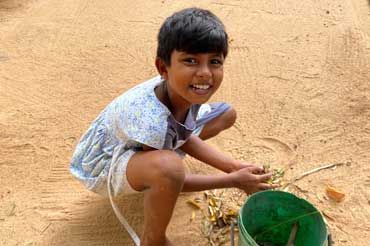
{"x":253,"y":168}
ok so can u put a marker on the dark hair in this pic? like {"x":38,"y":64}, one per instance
{"x":191,"y":30}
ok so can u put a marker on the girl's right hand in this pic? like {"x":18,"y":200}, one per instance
{"x":251,"y":180}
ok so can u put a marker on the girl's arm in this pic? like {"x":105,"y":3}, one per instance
{"x":244,"y":179}
{"x":198,"y":149}
{"x":198,"y":182}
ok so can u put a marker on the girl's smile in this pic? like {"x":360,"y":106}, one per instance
{"x":201,"y":89}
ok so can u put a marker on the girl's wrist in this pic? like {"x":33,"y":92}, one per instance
{"x":235,"y":166}
{"x":232,"y":179}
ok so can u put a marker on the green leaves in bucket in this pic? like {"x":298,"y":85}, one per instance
{"x":289,"y":221}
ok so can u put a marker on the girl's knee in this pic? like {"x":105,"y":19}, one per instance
{"x":168,"y":165}
{"x":229,"y":118}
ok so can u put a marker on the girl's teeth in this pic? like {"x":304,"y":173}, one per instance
{"x":203,"y":87}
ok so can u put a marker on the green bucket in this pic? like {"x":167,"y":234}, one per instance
{"x":267,"y":218}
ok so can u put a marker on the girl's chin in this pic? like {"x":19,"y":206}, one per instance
{"x":199,"y":100}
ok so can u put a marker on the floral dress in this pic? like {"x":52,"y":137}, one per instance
{"x":134,"y":119}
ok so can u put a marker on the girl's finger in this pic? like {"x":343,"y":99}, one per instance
{"x":255,"y":170}
{"x":265,"y":186}
{"x":264,"y":177}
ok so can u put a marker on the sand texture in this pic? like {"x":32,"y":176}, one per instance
{"x":298,"y":74}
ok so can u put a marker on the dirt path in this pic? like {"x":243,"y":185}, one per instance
{"x":298,"y":74}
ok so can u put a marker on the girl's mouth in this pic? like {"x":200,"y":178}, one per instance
{"x":201,"y":89}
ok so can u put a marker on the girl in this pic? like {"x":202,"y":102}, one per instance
{"x":137,"y":143}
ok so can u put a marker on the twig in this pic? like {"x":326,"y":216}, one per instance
{"x":293,"y":235}
{"x":232,"y":233}
{"x":319,"y":169}
{"x":315,"y":170}
{"x":327,"y":215}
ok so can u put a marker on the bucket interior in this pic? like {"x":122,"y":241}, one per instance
{"x":267,"y":218}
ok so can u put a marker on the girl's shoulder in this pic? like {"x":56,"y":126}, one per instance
{"x":141,"y":100}
{"x":139,"y":114}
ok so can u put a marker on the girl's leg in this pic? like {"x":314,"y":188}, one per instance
{"x":160,"y":174}
{"x":218,"y":124}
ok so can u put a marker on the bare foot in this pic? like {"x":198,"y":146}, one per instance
{"x":151,"y":243}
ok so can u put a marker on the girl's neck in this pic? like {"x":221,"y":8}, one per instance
{"x":178,"y":109}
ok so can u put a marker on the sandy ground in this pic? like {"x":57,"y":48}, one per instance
{"x":298,"y":74}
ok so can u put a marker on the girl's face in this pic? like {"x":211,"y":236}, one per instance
{"x":193,"y":78}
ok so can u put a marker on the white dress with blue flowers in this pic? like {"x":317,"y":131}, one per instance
{"x":134,"y":119}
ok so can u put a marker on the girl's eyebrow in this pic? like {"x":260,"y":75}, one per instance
{"x":218,"y":55}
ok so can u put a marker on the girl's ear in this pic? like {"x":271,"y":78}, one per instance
{"x":161,"y":68}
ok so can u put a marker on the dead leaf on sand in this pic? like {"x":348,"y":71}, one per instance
{"x":335,"y":194}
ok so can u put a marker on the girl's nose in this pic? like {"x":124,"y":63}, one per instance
{"x":204,"y":72}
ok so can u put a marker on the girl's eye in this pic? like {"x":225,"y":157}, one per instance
{"x":190,"y":61}
{"x":216,"y":62}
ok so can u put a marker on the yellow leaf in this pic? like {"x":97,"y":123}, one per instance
{"x":193,"y":204}
{"x":192,"y":216}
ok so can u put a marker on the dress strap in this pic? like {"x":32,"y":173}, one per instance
{"x":120,"y":217}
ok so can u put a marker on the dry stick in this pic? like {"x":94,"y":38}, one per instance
{"x":293,"y":235}
{"x":232,"y":233}
{"x":314,"y":171}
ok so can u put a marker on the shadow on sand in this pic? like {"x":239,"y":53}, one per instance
{"x":96,"y":223}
